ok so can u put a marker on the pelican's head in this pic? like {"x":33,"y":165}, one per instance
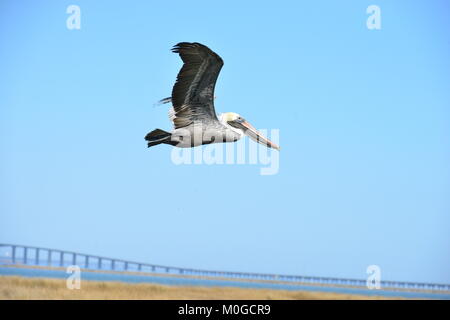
{"x":235,"y":122}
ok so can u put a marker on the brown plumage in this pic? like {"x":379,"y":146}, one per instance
{"x":193,"y":92}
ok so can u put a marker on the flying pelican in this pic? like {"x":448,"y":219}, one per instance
{"x":192,"y":113}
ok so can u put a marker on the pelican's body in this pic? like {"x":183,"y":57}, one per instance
{"x":200,"y":132}
{"x":192,"y":113}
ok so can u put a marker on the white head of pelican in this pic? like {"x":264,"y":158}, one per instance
{"x":238,"y":124}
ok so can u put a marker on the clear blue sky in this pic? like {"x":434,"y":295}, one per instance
{"x":364,"y":127}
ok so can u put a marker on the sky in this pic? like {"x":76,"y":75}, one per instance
{"x":362,"y":114}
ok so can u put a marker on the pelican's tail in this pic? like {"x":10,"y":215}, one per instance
{"x":158,"y":136}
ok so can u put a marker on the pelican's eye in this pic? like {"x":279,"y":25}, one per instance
{"x":237,"y":123}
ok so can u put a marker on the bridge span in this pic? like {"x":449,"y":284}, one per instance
{"x":14,"y":254}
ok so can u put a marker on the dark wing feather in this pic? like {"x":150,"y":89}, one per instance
{"x":193,"y":92}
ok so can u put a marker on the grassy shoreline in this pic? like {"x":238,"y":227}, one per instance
{"x":16,"y":288}
{"x":187,"y":276}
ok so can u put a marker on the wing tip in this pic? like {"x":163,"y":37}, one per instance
{"x":183,"y":45}
{"x":195,"y":48}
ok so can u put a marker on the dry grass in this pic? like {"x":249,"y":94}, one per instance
{"x":43,"y":289}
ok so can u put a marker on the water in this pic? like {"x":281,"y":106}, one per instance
{"x":179,"y":281}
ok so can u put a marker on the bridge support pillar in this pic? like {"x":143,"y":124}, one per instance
{"x":99,"y":263}
{"x":13,"y":254}
{"x":36,"y":257}
{"x":113,"y":264}
{"x":74,"y":259}
{"x":61,"y":258}
{"x":49,"y":258}
{"x":25,"y":255}
{"x":86,"y":262}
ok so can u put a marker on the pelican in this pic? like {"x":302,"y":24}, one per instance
{"x":192,"y":114}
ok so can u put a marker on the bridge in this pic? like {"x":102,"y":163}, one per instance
{"x":13,"y":254}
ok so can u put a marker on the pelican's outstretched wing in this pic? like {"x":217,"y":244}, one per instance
{"x":193,"y":92}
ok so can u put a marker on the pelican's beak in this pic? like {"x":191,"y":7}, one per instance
{"x":250,"y":131}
